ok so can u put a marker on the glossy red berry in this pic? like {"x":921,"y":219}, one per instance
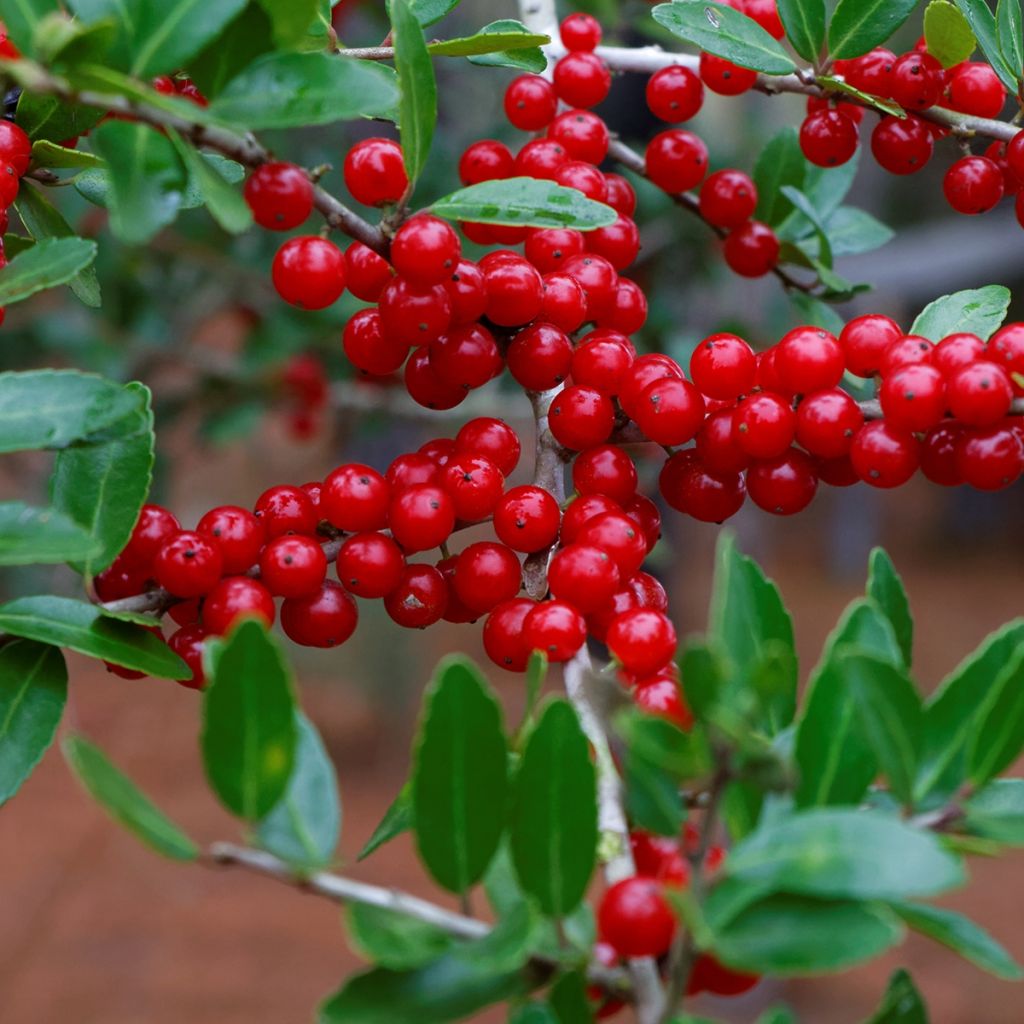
{"x":809,"y":359}
{"x":723,"y":366}
{"x":601,"y":359}
{"x":914,"y":397}
{"x":368,"y":273}
{"x":885,"y":456}
{"x":581,"y":510}
{"x":728,"y":199}
{"x":487,"y":574}
{"x":764,"y":425}
{"x":485,"y":160}
{"x":628,"y":311}
{"x":235,"y":598}
{"x":580,"y":31}
{"x":465,"y":357}
{"x":584,"y":136}
{"x":991,"y":458}
{"x":916,"y":81}
{"x":188,"y":565}
{"x":548,"y":249}
{"x":421,"y":517}
{"x":619,"y":243}
{"x":980,"y":394}
{"x":828,"y":138}
{"x":530,"y":102}
{"x":766,"y":14}
{"x":540,"y":158}
{"x":368,"y":348}
{"x":1006,"y":347}
{"x":907,"y":350}
{"x":375,"y":172}
{"x":280,"y":196}
{"x":974,"y":184}
{"x":674,"y":94}
{"x":187,"y":644}
{"x":293,"y":566}
{"x":716,"y":443}
{"x":540,"y":357}
{"x":670,"y":411}
{"x":784,"y":485}
{"x":752,"y":249}
{"x":827,"y":422}
{"x":606,"y":469}
{"x":725,"y":78}
{"x":902,"y":146}
{"x":325,"y":618}
{"x":286,"y":509}
{"x":503,"y":636}
{"x":370,"y":565}
{"x":956,"y":351}
{"x":420,"y":598}
{"x":581,"y":417}
{"x":621,"y":194}
{"x":492,"y":438}
{"x":425,"y":250}
{"x":865,"y":339}
{"x":153,"y":529}
{"x":413,"y":315}
{"x":584,"y":576}
{"x":661,"y":695}
{"x":689,"y":487}
{"x":556,"y":628}
{"x":309,"y":272}
{"x":515,"y":292}
{"x":355,"y":498}
{"x":642,"y":640}
{"x":939,"y":454}
{"x":676,"y":160}
{"x":238,"y":534}
{"x":15,"y":147}
{"x":618,"y":535}
{"x":527,"y":519}
{"x":582,"y":79}
{"x":974,"y":88}
{"x":635,"y":918}
{"x":599,"y":280}
{"x":474,"y":485}
{"x":563,"y":303}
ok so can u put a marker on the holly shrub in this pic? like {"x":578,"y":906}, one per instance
{"x":667,"y":818}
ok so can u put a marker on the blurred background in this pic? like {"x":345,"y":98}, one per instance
{"x":95,"y":928}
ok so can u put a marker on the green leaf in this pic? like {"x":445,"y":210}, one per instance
{"x":397,"y":819}
{"x":998,"y":736}
{"x":1011,"y":38}
{"x":62,"y":42}
{"x":816,"y":313}
{"x":804,"y":22}
{"x":286,"y":90}
{"x":33,"y":691}
{"x":726,"y":33}
{"x":961,"y":935}
{"x":536,"y":674}
{"x":947,"y":33}
{"x":792,"y":935}
{"x":449,"y":989}
{"x":983,"y":23}
{"x":975,"y":311}
{"x":487,"y":42}
{"x":832,"y":84}
{"x":146,"y":178}
{"x":902,"y":1003}
{"x":49,"y":154}
{"x":291,"y":19}
{"x":890,"y":714}
{"x":460,"y":776}
{"x":553,"y":829}
{"x":860,"y":25}
{"x":780,"y":163}
{"x":806,"y":207}
{"x":103,"y":486}
{"x":85,"y":628}
{"x":249,"y":36}
{"x":20,"y":17}
{"x":997,"y":812}
{"x":509,"y":944}
{"x":226,"y":205}
{"x":167,"y":35}
{"x":524,"y":202}
{"x":885,"y":587}
{"x":125,"y":802}
{"x":851,"y":231}
{"x":41,"y":536}
{"x":835,"y":761}
{"x":835,"y":853}
{"x":46,"y":117}
{"x":568,"y":998}
{"x":427,"y":12}
{"x":519,"y":58}
{"x":249,"y":736}
{"x":417,"y":88}
{"x":392,"y":939}
{"x":304,"y":826}
{"x":955,"y":710}
{"x":47,"y":264}
{"x":532,"y":1013}
{"x":52,"y":408}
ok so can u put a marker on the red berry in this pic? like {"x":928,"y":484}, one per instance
{"x":676,"y":160}
{"x":235,"y":598}
{"x":606,"y":469}
{"x":914,"y":397}
{"x":465,"y":357}
{"x":980,"y":394}
{"x":368,"y":273}
{"x":764,"y":425}
{"x":293,"y":566}
{"x":728,"y":198}
{"x":599,"y":280}
{"x":425,"y":250}
{"x":370,"y":565}
{"x":939,"y":454}
{"x":711,"y":976}
{"x":556,"y":628}
{"x":548,"y":249}
{"x":584,"y":576}
{"x":642,"y":640}
{"x":15,"y":147}
{"x":1006,"y":347}
{"x":187,"y":644}
{"x":280,"y":196}
{"x":485,"y":160}
{"x":487,"y":574}
{"x":1014,"y":156}
{"x":752,"y":250}
{"x":474,"y":485}
{"x":989,"y":459}
{"x":540,"y":357}
{"x":530,"y":102}
{"x":515,"y":292}
{"x":618,"y":535}
{"x":492,"y":438}
{"x":584,"y":136}
{"x":582,"y":79}
{"x":601,"y":360}
{"x":974,"y":88}
{"x":884,"y":455}
{"x":670,"y":411}
{"x":154,"y":528}
{"x":563,"y":303}
{"x":285,"y":509}
{"x":375,"y":172}
{"x":723,"y":77}
{"x":368,"y":348}
{"x":580,"y":31}
{"x":581,"y":510}
{"x":420,"y":598}
{"x":526,"y":519}
{"x":784,"y":485}
{"x":355,"y":498}
{"x":865,"y":340}
{"x":628,"y":312}
{"x":645,"y":370}
{"x":828,"y":138}
{"x":325,"y":618}
{"x":621,"y":195}
{"x":723,"y":366}
{"x":540,"y":158}
{"x":690,"y":488}
{"x":827,"y":422}
{"x":619,"y":243}
{"x":309,"y":272}
{"x":974,"y":184}
{"x":716,"y":443}
{"x":766,"y":14}
{"x":421,"y":517}
{"x":956,"y":351}
{"x":238,"y":534}
{"x":503,"y":636}
{"x":188,"y":565}
{"x":674,"y":94}
{"x":581,"y":417}
{"x":414,"y":315}
{"x":661,"y":695}
{"x":635,"y":918}
{"x":809,"y":359}
{"x":916,"y":81}
{"x":902,"y":146}
{"x":872,"y":73}
{"x":908,"y":350}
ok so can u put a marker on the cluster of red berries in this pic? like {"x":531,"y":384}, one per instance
{"x":180,"y":85}
{"x":15,"y":157}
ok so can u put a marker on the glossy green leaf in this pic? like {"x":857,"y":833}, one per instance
{"x":793,"y":935}
{"x":832,"y":84}
{"x":901,"y":1004}
{"x":983,"y":23}
{"x":83,"y":627}
{"x":524,"y":202}
{"x":416,"y":85}
{"x":460,"y":780}
{"x":532,"y":1013}
{"x":226,"y":205}
{"x":997,"y":812}
{"x":103,"y":486}
{"x":835,"y":761}
{"x":520,"y":58}
{"x":62,"y":42}
{"x":860,"y":25}
{"x":886,"y":588}
{"x":21,"y":17}
{"x":779,"y":163}
{"x":41,"y":536}
{"x":427,"y":12}
{"x":249,"y":736}
{"x":727,"y":33}
{"x":125,"y":802}
{"x":804,"y":206}
{"x":397,"y":819}
{"x":250,"y":35}
{"x":290,"y":19}
{"x":961,"y":935}
{"x":50,"y":154}
{"x":285,"y":90}
{"x":998,"y":737}
{"x":487,"y":42}
{"x":146,"y":178}
{"x":509,"y":944}
{"x":976,"y":311}
{"x":46,"y":117}
{"x":553,"y":829}
{"x":838,"y":853}
{"x":304,"y":826}
{"x":851,"y":231}
{"x":804,"y":22}
{"x":392,"y":939}
{"x":568,"y":998}
{"x":449,"y":989}
{"x":955,"y":710}
{"x":48,"y":263}
{"x":33,"y":691}
{"x":1009,"y":33}
{"x":947,"y":33}
{"x":167,"y":35}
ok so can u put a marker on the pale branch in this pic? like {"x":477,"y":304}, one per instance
{"x":339,"y":889}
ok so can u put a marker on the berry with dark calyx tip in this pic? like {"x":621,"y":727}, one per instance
{"x":530,"y":103}
{"x":939,"y":455}
{"x":515,"y":292}
{"x":619,"y":243}
{"x":582,"y":79}
{"x":280,"y":195}
{"x":238,"y":534}
{"x":674,"y":94}
{"x":670,"y":411}
{"x":723,"y":366}
{"x":122,"y":579}
{"x":474,"y":484}
{"x":914,"y":397}
{"x":621,"y":194}
{"x":1006,"y":347}
{"x":583,"y":134}
{"x":368,"y":273}
{"x":619,"y":536}
{"x":956,"y":351}
{"x":563,"y":303}
{"x":467,"y":293}
{"x":662,"y":695}
{"x":580,"y":31}
{"x":690,"y":488}
{"x":375,"y":172}
{"x":599,"y":279}
{"x":188,"y":565}
{"x":584,"y":178}
{"x":421,"y":517}
{"x":540,"y":357}
{"x":676,"y":160}
{"x":556,"y":628}
{"x":154,"y":528}
{"x":425,"y":250}
{"x":974,"y":88}
{"x":503,"y":635}
{"x":581,"y":510}
{"x":809,"y":359}
{"x":885,"y":456}
{"x":606,"y":469}
{"x":368,"y":348}
{"x":600,"y":362}
{"x":908,"y":350}
{"x":235,"y":598}
{"x":974,"y":184}
{"x":980,"y":394}
{"x":487,"y":574}
{"x":548,"y":249}
{"x":293,"y":566}
{"x":412,"y":468}
{"x":581,"y":417}
{"x":646,"y":515}
{"x":991,"y":458}
{"x":828,"y":138}
{"x":764,"y":425}
{"x":642,"y":640}
{"x":540,"y":158}
{"x":645,"y":370}
{"x":752,"y":250}
{"x":725,"y":78}
{"x":902,"y":146}
{"x":285,"y":509}
{"x":827,"y":422}
{"x":187,"y":644}
{"x":728,"y":199}
{"x":325,"y":618}
{"x":526,"y":519}
{"x":309,"y":272}
{"x":486,"y":160}
{"x":628,"y":311}
{"x":916,"y":81}
{"x":370,"y":564}
{"x":426,"y":388}
{"x":413,"y":315}
{"x":584,"y":576}
{"x":635,"y":918}
{"x":492,"y":438}
{"x":716,"y":444}
{"x":872,"y":72}
{"x":355,"y":498}
{"x":784,"y":485}
{"x":420,"y":598}
{"x":465,"y":357}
